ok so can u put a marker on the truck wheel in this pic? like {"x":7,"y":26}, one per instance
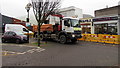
{"x":41,"y":37}
{"x":63,"y":39}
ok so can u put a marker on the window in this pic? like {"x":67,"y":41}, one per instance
{"x":101,"y":28}
{"x":6,"y":33}
{"x":107,"y":28}
{"x":75,"y":23}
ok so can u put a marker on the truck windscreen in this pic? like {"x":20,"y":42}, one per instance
{"x":75,"y":23}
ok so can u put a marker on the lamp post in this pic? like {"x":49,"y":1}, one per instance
{"x":28,"y":6}
{"x":118,"y":18}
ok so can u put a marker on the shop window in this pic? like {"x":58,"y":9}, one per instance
{"x":106,"y":28}
{"x":101,"y":28}
{"x":112,"y":28}
{"x":86,"y":29}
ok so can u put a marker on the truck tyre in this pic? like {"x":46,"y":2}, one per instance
{"x":42,"y":37}
{"x":3,"y":40}
{"x":63,"y":39}
{"x":36,"y":36}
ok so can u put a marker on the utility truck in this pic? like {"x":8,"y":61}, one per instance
{"x":59,"y":28}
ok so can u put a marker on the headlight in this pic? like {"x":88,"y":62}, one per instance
{"x":73,"y":35}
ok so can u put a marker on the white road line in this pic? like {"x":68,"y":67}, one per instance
{"x":29,"y":51}
{"x":18,"y":45}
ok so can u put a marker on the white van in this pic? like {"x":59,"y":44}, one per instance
{"x":17,"y":28}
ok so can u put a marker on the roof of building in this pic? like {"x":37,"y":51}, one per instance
{"x":107,"y":8}
{"x":69,"y":8}
{"x":87,"y":16}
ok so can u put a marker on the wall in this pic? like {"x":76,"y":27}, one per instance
{"x":79,"y":13}
{"x":107,"y":11}
{"x":6,"y":20}
{"x":71,"y":12}
{"x":68,"y":13}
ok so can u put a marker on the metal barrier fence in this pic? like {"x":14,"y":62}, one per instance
{"x":104,"y":38}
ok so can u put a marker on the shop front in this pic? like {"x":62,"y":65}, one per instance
{"x":106,"y":25}
{"x":86,"y":24}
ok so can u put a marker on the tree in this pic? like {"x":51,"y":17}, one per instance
{"x":42,"y":9}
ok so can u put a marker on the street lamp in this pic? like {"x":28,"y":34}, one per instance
{"x":28,"y":6}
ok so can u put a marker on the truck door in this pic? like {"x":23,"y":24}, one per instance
{"x":67,"y":26}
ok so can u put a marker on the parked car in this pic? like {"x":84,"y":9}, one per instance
{"x":11,"y":36}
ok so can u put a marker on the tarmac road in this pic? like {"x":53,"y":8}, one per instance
{"x":56,"y":54}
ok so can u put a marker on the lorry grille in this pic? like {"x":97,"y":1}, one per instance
{"x":77,"y":32}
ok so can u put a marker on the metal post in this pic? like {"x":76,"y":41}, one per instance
{"x":92,"y":28}
{"x":28,"y":21}
{"x":28,"y":16}
{"x":28,"y":6}
{"x":118,"y":24}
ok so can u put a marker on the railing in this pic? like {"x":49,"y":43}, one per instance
{"x":104,"y":38}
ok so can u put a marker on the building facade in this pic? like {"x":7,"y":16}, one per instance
{"x":71,"y":12}
{"x":10,"y":20}
{"x":106,"y":25}
{"x":111,"y":11}
{"x":106,"y":21}
{"x":87,"y":25}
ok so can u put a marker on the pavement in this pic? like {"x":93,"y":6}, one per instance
{"x":81,"y":53}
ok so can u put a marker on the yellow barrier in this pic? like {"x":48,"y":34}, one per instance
{"x":104,"y":38}
{"x":88,"y":37}
{"x":83,"y":37}
{"x":94,"y":37}
{"x":100,"y":38}
{"x":116,"y":39}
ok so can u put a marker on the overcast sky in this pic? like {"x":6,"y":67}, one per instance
{"x":16,"y":8}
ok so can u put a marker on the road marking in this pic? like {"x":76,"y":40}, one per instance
{"x":20,"y":45}
{"x":8,"y":53}
{"x":21,"y":53}
{"x":35,"y":49}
